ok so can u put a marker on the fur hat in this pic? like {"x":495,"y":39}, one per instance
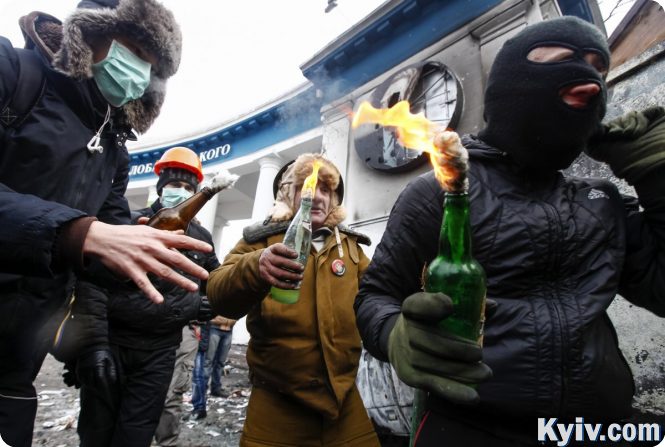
{"x":284,"y":207}
{"x":146,"y":21}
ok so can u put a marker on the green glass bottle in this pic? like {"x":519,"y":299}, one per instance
{"x":457,"y":274}
{"x":298,"y":237}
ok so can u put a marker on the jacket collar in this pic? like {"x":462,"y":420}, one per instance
{"x":156,"y":206}
{"x":537,"y":180}
{"x":83,"y":97}
{"x":258,"y":231}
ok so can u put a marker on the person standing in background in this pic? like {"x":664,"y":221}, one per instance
{"x":221,"y":337}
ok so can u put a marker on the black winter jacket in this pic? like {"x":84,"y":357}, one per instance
{"x":47,"y":175}
{"x":556,"y":252}
{"x":135,"y":321}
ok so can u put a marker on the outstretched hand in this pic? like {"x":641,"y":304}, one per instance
{"x":133,"y":251}
{"x":272,"y":263}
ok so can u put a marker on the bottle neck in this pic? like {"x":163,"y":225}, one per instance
{"x":207,"y":192}
{"x":194,"y":204}
{"x":455,"y":238}
{"x":306,"y":204}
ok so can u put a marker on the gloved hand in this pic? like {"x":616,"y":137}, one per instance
{"x":96,"y":368}
{"x":633,"y":145}
{"x":431,"y":359}
{"x":205,"y":311}
{"x":69,"y":376}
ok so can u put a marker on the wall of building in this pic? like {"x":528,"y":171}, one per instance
{"x":469,"y":53}
{"x":645,"y":29}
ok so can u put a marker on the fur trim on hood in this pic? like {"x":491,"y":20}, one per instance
{"x":284,"y":206}
{"x":146,"y":21}
{"x":43,"y":31}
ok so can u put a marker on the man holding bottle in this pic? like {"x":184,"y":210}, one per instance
{"x":127,"y":360}
{"x":303,"y":357}
{"x":556,"y":251}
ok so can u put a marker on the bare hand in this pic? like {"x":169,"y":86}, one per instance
{"x":132,"y":251}
{"x":272,"y":263}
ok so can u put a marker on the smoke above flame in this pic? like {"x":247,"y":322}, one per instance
{"x":447,"y":155}
{"x":309,"y":186}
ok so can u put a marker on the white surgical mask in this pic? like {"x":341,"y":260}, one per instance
{"x":122,"y":75}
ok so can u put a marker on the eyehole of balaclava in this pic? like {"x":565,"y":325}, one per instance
{"x":556,"y":52}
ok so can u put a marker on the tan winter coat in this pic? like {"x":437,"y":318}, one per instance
{"x":308,"y":350}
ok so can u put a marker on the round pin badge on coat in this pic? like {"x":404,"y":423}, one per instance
{"x":338,"y":267}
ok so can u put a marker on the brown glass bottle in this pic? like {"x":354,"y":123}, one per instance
{"x":178,"y":217}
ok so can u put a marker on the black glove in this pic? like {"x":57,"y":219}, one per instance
{"x":426,"y":357}
{"x":69,"y":376}
{"x":96,"y":368}
{"x":205,"y":311}
{"x":633,"y":145}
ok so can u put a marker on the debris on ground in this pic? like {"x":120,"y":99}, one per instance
{"x":58,"y":408}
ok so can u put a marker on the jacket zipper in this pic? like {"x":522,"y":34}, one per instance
{"x":83,"y":179}
{"x":556,"y":302}
{"x":87,"y":162}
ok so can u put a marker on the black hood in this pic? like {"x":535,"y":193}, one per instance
{"x":525,"y":115}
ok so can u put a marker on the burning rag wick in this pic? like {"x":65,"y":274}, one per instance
{"x":450,"y":162}
{"x":223,"y":180}
{"x":309,"y":186}
{"x":447,"y":155}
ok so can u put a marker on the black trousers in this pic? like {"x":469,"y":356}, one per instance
{"x":127,"y":415}
{"x":27,"y":306}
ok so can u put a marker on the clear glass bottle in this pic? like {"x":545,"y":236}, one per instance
{"x":298,"y":238}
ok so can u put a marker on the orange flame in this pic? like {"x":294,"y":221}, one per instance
{"x":415,"y":131}
{"x":310,"y":181}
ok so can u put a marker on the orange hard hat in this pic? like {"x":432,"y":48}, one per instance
{"x":181,"y":157}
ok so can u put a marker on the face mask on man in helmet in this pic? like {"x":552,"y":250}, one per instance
{"x":546,"y":94}
{"x":174,"y":196}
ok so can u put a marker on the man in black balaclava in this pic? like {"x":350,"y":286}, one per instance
{"x":556,"y":252}
{"x":546,"y":95}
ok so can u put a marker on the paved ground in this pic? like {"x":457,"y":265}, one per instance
{"x":57,"y":414}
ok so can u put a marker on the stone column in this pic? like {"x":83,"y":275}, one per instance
{"x":152,"y":195}
{"x":217,"y":235}
{"x":207,"y":214}
{"x":263,"y":200}
{"x":337,"y":135}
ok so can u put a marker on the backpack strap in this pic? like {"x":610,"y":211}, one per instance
{"x":29,"y":89}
